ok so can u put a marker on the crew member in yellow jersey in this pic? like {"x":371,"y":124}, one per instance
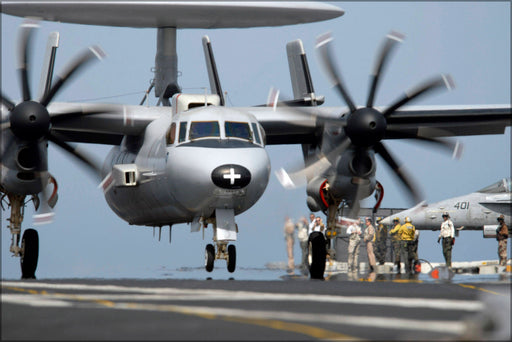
{"x":396,"y":243}
{"x":406,"y":233}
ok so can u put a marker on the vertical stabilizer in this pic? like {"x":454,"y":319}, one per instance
{"x":299,"y":72}
{"x":213,"y":75}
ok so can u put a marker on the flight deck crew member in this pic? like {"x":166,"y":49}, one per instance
{"x":381,"y":237}
{"x":311,"y":223}
{"x":369,"y":237}
{"x":415,"y":251}
{"x":406,"y":233}
{"x":354,"y":240}
{"x":302,"y":235}
{"x":395,"y":240}
{"x":502,"y":236}
{"x":448,"y":235}
{"x":289,"y":236}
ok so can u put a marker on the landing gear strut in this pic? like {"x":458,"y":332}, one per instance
{"x":28,"y":250}
{"x":224,"y":231}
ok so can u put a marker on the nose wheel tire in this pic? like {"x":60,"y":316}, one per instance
{"x":30,"y":254}
{"x":316,"y":255}
{"x":231,"y":258}
{"x":209,"y":257}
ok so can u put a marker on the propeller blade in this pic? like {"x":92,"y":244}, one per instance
{"x":399,"y":172}
{"x":86,"y":160}
{"x":44,"y":213}
{"x":7,"y":103}
{"x":453,"y":147}
{"x":324,"y":48}
{"x":390,"y":42}
{"x":79,"y":62}
{"x":308,"y":113}
{"x":5,"y":125}
{"x":422,"y":89}
{"x":24,"y":51}
{"x":295,"y":179}
{"x":79,"y":112}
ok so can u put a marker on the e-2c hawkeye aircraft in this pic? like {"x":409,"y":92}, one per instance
{"x":194,"y":160}
{"x":478,"y":210}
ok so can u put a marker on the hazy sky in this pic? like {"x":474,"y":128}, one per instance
{"x":470,"y":41}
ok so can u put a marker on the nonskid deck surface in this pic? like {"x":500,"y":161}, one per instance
{"x":235,"y":307}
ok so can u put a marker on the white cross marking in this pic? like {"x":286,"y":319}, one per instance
{"x":232,"y":176}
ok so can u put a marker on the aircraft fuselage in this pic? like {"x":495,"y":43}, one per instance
{"x":186,"y":167}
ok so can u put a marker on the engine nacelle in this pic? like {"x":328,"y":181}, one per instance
{"x":24,"y":165}
{"x":354,"y":174}
{"x":316,"y":194}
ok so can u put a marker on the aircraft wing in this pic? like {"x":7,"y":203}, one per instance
{"x":289,"y":125}
{"x":445,"y":121}
{"x":103,"y":128}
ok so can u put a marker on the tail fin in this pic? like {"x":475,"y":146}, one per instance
{"x":299,"y":73}
{"x":213,"y":75}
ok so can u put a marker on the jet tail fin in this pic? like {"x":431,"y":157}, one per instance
{"x":213,"y":75}
{"x":302,"y":84}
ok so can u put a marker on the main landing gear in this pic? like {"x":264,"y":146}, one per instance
{"x":224,"y":251}
{"x":28,"y":250}
{"x":316,"y":255}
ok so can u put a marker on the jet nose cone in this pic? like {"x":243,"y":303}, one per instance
{"x":231,"y":176}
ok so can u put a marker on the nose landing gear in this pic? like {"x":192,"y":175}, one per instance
{"x":224,"y":231}
{"x":228,"y":254}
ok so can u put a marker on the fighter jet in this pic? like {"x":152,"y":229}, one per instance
{"x":475,"y":211}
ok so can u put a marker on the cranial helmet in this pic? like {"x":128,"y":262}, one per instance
{"x":408,"y":219}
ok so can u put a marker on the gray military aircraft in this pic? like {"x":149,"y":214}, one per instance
{"x":193,"y":160}
{"x":478,"y":210}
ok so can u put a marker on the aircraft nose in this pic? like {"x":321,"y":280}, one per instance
{"x":231,"y":176}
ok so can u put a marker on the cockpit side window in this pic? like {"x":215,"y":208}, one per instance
{"x":239,"y":130}
{"x":183,"y":131}
{"x":171,"y":134}
{"x":256,"y":133}
{"x":204,"y":129}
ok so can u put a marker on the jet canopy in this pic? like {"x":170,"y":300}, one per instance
{"x":504,"y":185}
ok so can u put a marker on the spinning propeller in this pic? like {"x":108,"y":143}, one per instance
{"x":30,"y":122}
{"x":365,"y":127}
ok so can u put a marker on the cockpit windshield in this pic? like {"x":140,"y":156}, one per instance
{"x":504,"y":185}
{"x":239,"y":130}
{"x":236,"y":133}
{"x":204,"y":129}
